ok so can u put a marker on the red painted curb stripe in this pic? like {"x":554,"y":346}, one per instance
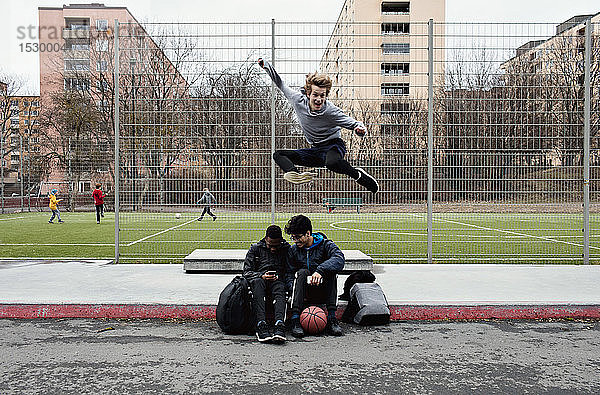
{"x":30,"y":311}
{"x":398,"y":313}
{"x":521,"y":312}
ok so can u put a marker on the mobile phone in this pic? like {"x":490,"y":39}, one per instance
{"x":271,"y":273}
{"x":308,"y":279}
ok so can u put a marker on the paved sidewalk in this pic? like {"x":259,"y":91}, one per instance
{"x":91,"y":288}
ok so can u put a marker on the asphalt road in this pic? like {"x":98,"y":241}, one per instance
{"x":157,"y":356}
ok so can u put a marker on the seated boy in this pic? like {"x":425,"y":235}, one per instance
{"x":313,"y":264}
{"x":264,"y":267}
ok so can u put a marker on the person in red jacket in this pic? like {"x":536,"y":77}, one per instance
{"x":99,"y":196}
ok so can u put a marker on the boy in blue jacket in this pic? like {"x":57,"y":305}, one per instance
{"x":313,"y":264}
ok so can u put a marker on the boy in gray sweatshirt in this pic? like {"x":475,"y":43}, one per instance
{"x":321,"y":122}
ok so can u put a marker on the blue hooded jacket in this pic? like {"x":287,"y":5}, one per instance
{"x":323,"y":257}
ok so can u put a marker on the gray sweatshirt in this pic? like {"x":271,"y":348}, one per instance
{"x":207,"y":199}
{"x":317,"y":126}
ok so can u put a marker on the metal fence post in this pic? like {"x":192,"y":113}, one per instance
{"x":430,"y":142}
{"x":116,"y":122}
{"x":586,"y":144}
{"x":272,"y":124}
{"x":21,"y":168}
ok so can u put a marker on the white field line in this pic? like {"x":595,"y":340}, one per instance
{"x":335,"y":226}
{"x":8,"y":219}
{"x":161,"y":232}
{"x":514,"y":234}
{"x":58,"y":244}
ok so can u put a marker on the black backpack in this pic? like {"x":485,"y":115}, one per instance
{"x":234,"y":311}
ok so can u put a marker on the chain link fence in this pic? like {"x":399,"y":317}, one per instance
{"x":483,"y":138}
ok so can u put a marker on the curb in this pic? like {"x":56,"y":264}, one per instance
{"x":207,"y":312}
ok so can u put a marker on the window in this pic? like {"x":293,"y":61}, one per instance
{"x":102,"y":25}
{"x":34,"y":113}
{"x":77,"y":44}
{"x":395,"y":28}
{"x":34,"y":104}
{"x":396,"y":48}
{"x":394,"y":107}
{"x":101,"y":65}
{"x":77,"y":84}
{"x":84,"y":186}
{"x":394,"y":68}
{"x":101,"y":45}
{"x":77,"y":65}
{"x":14,"y":103}
{"x":395,"y":7}
{"x":14,"y":122}
{"x":77,"y":23}
{"x":102,"y":86}
{"x":14,"y":113}
{"x":394,"y":89}
{"x":25,"y":122}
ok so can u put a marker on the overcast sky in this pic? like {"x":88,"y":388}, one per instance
{"x":23,"y":13}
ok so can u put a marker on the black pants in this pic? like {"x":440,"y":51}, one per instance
{"x":262,"y":288}
{"x":303,"y":293}
{"x":207,"y":210}
{"x":334,"y":161}
{"x":99,"y":211}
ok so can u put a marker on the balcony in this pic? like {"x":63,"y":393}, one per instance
{"x":76,"y":32}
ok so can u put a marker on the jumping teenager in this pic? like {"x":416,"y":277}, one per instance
{"x":321,"y":122}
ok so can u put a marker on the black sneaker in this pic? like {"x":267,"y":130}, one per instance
{"x":279,"y":332}
{"x":215,"y":218}
{"x":333,"y":327}
{"x":367,"y":181}
{"x":262,"y":332}
{"x":297,"y":330}
{"x":60,"y":221}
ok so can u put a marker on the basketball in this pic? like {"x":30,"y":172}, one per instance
{"x":313,"y":320}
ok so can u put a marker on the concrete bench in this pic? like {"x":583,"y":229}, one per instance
{"x":331,"y":203}
{"x":207,"y":260}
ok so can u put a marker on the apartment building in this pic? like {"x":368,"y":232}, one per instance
{"x":79,"y":58}
{"x":539,"y":57}
{"x":378,"y":51}
{"x":20,"y":136}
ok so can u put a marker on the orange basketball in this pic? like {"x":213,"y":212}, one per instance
{"x":313,"y":320}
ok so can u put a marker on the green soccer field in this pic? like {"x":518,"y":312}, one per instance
{"x":387,"y":237}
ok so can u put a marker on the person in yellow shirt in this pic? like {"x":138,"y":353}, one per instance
{"x":54,"y":206}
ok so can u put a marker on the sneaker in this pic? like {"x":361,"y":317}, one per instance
{"x":200,"y":219}
{"x":279,"y":332}
{"x":333,"y":327}
{"x":297,"y":330}
{"x":60,"y":221}
{"x":367,"y":181}
{"x":298,"y":178}
{"x":215,"y":218}
{"x":50,"y":222}
{"x":262,"y":332}
{"x":102,"y":215}
{"x":97,"y":222}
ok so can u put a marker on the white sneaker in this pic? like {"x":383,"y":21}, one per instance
{"x":299,"y":178}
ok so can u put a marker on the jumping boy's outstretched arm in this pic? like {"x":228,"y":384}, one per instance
{"x":288,"y":92}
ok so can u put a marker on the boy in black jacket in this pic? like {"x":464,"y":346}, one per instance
{"x":264,"y":267}
{"x":313,"y":264}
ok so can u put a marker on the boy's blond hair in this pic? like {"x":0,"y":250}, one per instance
{"x":318,"y":79}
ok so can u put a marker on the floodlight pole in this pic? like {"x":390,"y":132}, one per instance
{"x":586,"y":144}
{"x":117,"y":126}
